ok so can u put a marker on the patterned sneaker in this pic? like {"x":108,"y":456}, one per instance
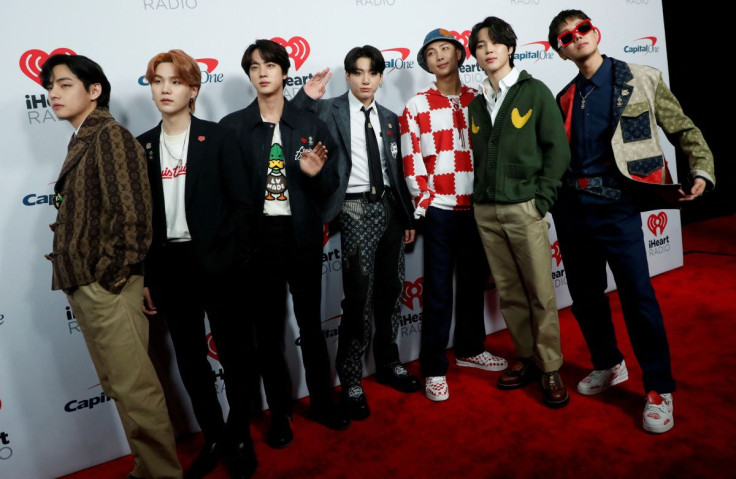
{"x":658,"y":413}
{"x":602,"y":379}
{"x":484,"y":360}
{"x":436,"y":388}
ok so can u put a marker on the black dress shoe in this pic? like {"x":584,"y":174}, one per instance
{"x":242,"y":461}
{"x":396,"y":376}
{"x":329,"y":415}
{"x":280,"y":435}
{"x":355,"y":404}
{"x":205,"y":462}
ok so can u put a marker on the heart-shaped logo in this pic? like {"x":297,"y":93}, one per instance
{"x":413,"y":291}
{"x":297,"y":47}
{"x":556,"y":253}
{"x":657,"y":222}
{"x":463,"y":38}
{"x":32,"y":61}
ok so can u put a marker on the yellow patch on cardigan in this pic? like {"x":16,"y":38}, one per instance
{"x":518,"y":120}
{"x":475,"y":127}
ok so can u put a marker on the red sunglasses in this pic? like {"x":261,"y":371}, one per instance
{"x":567,"y":37}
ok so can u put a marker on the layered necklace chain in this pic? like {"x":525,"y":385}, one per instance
{"x":180,"y":159}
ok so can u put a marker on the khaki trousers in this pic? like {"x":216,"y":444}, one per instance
{"x":516,"y":241}
{"x":116,"y":333}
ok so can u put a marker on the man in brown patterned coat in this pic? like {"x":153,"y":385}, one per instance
{"x":101,"y":236}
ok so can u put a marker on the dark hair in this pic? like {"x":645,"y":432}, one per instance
{"x":561,"y":18}
{"x":378,"y":64}
{"x":83,"y":68}
{"x":498,"y":31}
{"x":270,"y":51}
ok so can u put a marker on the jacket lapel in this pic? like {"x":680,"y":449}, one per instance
{"x":341,"y":114}
{"x":196,"y":158}
{"x":389,"y":135}
{"x":622,"y":91}
{"x":79,"y":144}
{"x":152,"y":147}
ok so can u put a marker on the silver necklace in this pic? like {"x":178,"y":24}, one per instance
{"x":180,"y":159}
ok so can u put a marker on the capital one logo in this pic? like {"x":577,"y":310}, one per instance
{"x":396,"y":59}
{"x":657,"y":223}
{"x":297,"y":48}
{"x":556,"y":253}
{"x":211,"y":347}
{"x":464,"y":38}
{"x":536,"y":54}
{"x":413,"y":291}
{"x":32,"y":61}
{"x":648,"y":46}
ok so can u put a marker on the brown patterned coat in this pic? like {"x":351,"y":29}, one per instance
{"x":103,"y":228}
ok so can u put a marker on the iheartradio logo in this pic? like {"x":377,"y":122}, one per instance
{"x":325,"y":234}
{"x":463,"y":38}
{"x":657,"y":223}
{"x":32,"y":61}
{"x":556,"y":254}
{"x":411,"y":292}
{"x":211,"y":348}
{"x":297,"y":47}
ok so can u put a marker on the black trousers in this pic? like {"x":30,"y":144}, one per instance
{"x":452,"y":244}
{"x":280,"y":261}
{"x":373,"y":279}
{"x":183,"y":293}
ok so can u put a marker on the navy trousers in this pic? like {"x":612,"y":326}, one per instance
{"x":592,"y":231}
{"x":452,"y":244}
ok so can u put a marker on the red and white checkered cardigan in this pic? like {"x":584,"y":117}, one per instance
{"x":438,"y":160}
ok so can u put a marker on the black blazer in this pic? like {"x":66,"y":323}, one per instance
{"x":307,"y":195}
{"x":335,"y":112}
{"x":214,"y":197}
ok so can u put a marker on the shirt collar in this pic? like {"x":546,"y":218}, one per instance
{"x":601,"y":76}
{"x":506,"y":82}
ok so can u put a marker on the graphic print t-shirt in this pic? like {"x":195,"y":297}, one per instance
{"x":277,"y":192}
{"x":173,"y":177}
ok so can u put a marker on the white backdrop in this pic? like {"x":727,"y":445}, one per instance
{"x":54,"y":418}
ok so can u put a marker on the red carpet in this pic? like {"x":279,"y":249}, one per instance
{"x":484,"y":432}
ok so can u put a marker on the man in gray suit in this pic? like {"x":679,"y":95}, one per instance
{"x":376,"y":216}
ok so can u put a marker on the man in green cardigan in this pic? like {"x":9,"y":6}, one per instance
{"x":520,"y":153}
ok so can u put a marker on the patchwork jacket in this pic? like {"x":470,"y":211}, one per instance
{"x":641,"y":102}
{"x":103,"y":228}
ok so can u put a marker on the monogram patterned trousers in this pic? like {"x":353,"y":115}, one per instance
{"x":373,"y":278}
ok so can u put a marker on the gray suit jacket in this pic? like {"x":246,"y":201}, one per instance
{"x":335,"y":112}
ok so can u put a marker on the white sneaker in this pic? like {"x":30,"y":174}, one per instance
{"x":602,"y":379}
{"x":436,"y":388}
{"x":658,"y":413}
{"x":484,"y":360}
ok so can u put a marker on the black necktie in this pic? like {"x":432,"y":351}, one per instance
{"x":374,"y":157}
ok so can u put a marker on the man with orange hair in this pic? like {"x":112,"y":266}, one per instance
{"x":194,"y":264}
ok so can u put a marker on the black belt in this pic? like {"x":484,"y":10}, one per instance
{"x":368,"y":197}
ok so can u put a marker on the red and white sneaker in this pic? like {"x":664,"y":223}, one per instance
{"x":602,"y":379}
{"x":658,"y":413}
{"x":484,"y":360}
{"x":436,"y":388}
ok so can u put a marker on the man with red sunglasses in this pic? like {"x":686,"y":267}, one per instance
{"x":611,"y":111}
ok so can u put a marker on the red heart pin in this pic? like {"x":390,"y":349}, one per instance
{"x":32,"y":61}
{"x":200,"y":138}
